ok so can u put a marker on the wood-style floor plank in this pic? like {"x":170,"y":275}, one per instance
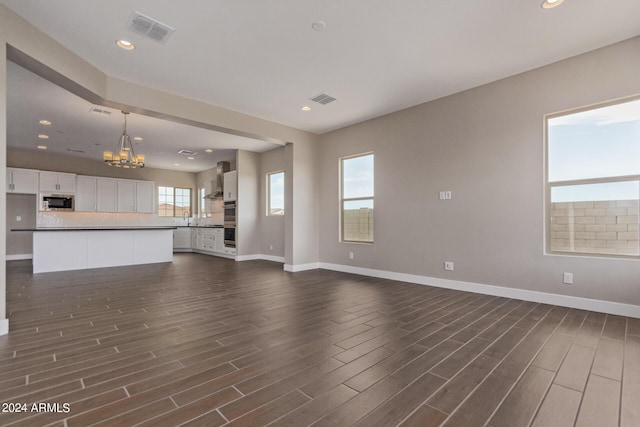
{"x":207,"y":341}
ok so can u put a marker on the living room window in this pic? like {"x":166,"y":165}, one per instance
{"x":174,"y":202}
{"x":356,"y":198}
{"x":593,"y":180}
{"x":275,"y":193}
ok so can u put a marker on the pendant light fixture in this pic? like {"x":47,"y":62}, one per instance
{"x":124,"y":156}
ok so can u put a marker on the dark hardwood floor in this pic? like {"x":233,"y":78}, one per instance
{"x":208,"y":341}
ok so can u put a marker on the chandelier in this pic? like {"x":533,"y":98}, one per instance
{"x":124,"y":156}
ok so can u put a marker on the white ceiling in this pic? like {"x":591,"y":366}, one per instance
{"x":76,"y":131}
{"x":262,"y":58}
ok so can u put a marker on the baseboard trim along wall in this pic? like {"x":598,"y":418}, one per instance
{"x":253,"y":257}
{"x":4,"y":327}
{"x":301,"y":267}
{"x":19,"y":257}
{"x":617,"y":308}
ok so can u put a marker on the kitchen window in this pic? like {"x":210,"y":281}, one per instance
{"x":174,"y":202}
{"x":356,"y":198}
{"x":275,"y":193}
{"x":593,"y":180}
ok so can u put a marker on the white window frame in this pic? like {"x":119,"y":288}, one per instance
{"x":602,"y":180}
{"x":174,"y":200}
{"x":342,"y":199}
{"x":269,"y":174}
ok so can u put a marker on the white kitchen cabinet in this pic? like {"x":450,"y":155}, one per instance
{"x":57,"y":182}
{"x":126,"y":195}
{"x":230,"y":186}
{"x":182,"y":238}
{"x":23,"y":181}
{"x":219,"y":240}
{"x":136,"y":196}
{"x":145,"y":196}
{"x":96,"y":194}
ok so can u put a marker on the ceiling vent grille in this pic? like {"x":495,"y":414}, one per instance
{"x":323,"y":99}
{"x":187,"y":152}
{"x":149,"y":27}
{"x":100,"y":111}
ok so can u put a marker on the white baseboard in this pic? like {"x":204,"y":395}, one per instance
{"x":19,"y":256}
{"x":260,"y":256}
{"x":617,"y":308}
{"x":4,"y":326}
{"x":301,"y":267}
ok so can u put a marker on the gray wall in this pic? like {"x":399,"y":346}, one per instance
{"x":486,"y":145}
{"x":25,"y":206}
{"x":271,"y":227}
{"x":247,"y":232}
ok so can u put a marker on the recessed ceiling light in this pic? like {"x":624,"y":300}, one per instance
{"x":208,"y":150}
{"x":42,"y":147}
{"x":125,"y":44}
{"x":306,"y":108}
{"x":138,"y":138}
{"x":319,"y":25}
{"x":548,"y":4}
{"x":191,"y":158}
{"x":43,"y":136}
{"x":176,"y":164}
{"x":45,"y":122}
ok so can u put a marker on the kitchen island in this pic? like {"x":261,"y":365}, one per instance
{"x":60,"y":249}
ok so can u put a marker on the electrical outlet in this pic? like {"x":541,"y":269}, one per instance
{"x":448,"y":265}
{"x":567,"y":278}
{"x":18,"y":218}
{"x":270,"y":247}
{"x":447,"y":195}
{"x":350,"y":255}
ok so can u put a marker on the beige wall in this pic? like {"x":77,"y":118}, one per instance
{"x":486,"y":146}
{"x":271,"y":227}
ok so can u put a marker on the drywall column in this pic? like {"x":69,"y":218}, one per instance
{"x":4,"y":321}
{"x":301,"y":207}
{"x":247,"y":235}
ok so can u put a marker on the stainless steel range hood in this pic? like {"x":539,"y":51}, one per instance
{"x":216,"y":189}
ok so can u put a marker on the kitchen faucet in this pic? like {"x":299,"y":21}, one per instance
{"x":186,"y":214}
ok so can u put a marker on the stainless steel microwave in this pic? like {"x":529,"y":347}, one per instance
{"x":57,"y":202}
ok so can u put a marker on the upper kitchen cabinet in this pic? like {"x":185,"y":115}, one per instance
{"x":230,"y":186}
{"x":24,"y":181}
{"x":95,"y":194}
{"x":56,"y":182}
{"x":136,"y":196}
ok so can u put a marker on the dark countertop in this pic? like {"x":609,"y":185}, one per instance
{"x":132,"y":228}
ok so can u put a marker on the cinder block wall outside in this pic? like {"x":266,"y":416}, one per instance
{"x":358,"y":225}
{"x":600,"y":227}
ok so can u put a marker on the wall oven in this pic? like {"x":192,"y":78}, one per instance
{"x":230,"y":236}
{"x":56,"y":202}
{"x":230,"y":213}
{"x":229,"y":224}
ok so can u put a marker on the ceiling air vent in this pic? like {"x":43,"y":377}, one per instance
{"x":323,"y":99}
{"x":100,"y":111}
{"x":187,"y":152}
{"x":149,"y":27}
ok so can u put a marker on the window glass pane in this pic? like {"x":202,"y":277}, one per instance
{"x":357,"y":220}
{"x":596,"y":218}
{"x":276,"y":193}
{"x":602,"y":142}
{"x":183,"y":201}
{"x":357,"y":176}
{"x":165,"y":201}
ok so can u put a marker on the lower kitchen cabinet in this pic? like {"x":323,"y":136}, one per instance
{"x":205,"y":240}
{"x":182,"y":238}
